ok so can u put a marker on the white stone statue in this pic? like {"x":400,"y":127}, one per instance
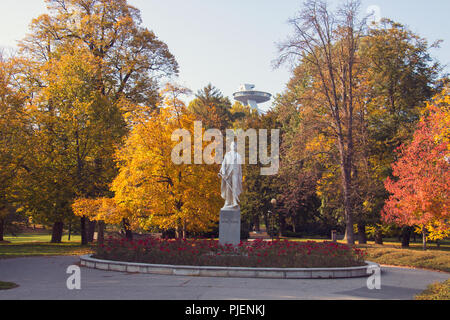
{"x":231,"y":174}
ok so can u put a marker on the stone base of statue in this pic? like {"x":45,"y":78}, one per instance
{"x":230,"y":227}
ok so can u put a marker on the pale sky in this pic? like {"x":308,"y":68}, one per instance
{"x":229,"y":42}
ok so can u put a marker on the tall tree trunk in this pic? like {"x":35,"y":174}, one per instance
{"x":282,"y":225}
{"x":362,"y":238}
{"x":129,"y":234}
{"x":424,"y":239}
{"x":57,"y":232}
{"x":168,"y":234}
{"x":91,"y":230}
{"x":127,"y":228}
{"x":256,"y":223}
{"x":379,"y":236}
{"x":70,"y":230}
{"x":334,"y":236}
{"x":184,"y":228}
{"x":178,"y":232}
{"x":346,"y":188}
{"x":267,"y":222}
{"x":2,"y":229}
{"x":348,"y":213}
{"x":101,"y":232}
{"x":84,"y":239}
{"x":406,"y":236}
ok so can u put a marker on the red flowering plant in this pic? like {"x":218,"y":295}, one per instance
{"x":263,"y":254}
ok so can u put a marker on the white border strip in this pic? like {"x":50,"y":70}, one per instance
{"x":233,"y":272}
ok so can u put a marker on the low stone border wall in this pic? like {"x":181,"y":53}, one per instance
{"x":233,"y":272}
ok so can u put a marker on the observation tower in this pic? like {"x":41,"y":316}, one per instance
{"x":248,"y":96}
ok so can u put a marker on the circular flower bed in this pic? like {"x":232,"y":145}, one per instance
{"x":255,"y":254}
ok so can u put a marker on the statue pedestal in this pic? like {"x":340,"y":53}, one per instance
{"x":230,"y":227}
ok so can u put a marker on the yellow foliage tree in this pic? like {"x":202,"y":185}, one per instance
{"x":13,"y":138}
{"x":158,"y":192}
{"x":101,"y":210}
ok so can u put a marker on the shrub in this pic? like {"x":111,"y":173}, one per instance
{"x":264,"y":254}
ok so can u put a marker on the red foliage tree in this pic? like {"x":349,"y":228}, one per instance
{"x":420,"y":189}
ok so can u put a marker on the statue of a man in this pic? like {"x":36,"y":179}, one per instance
{"x":231,"y":174}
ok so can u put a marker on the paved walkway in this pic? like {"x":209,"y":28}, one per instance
{"x":45,"y":278}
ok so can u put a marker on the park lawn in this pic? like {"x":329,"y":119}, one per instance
{"x":39,"y":237}
{"x":26,"y":245}
{"x":391,"y":253}
{"x":436,"y":291}
{"x":7,"y":285}
{"x":394,"y":255}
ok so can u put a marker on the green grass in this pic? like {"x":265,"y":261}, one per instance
{"x":444,"y":245}
{"x":394,"y":243}
{"x":33,"y":238}
{"x":7,"y":285}
{"x":26,"y":245}
{"x":394,"y":255}
{"x":436,"y":291}
{"x":391,"y":253}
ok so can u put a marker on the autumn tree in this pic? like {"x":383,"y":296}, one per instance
{"x":130,"y":57}
{"x":156,"y":190}
{"x":395,"y":75}
{"x":90,"y":64}
{"x":327,"y":42}
{"x":240,"y":112}
{"x":398,"y":76}
{"x":102,"y":210}
{"x":74,"y":140}
{"x":212,"y":108}
{"x":419,"y":188}
{"x":259,"y":190}
{"x":14,"y":130}
{"x":311,"y":196}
